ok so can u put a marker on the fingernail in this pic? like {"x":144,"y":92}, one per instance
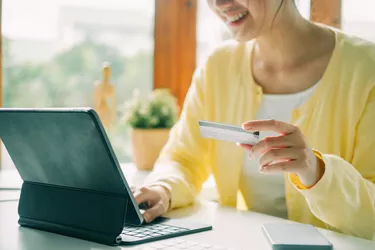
{"x":247,"y":126}
{"x":147,"y":217}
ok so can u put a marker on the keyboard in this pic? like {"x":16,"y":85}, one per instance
{"x":179,"y":244}
{"x":160,"y":229}
{"x":152,"y":231}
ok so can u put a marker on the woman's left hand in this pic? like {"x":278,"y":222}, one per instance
{"x":288,"y":152}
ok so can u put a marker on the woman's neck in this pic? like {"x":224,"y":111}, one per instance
{"x":291,"y":41}
{"x":292,"y":56}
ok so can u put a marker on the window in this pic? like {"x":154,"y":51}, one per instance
{"x":53,"y":52}
{"x":358,"y":18}
{"x":211,"y":31}
{"x":304,"y":7}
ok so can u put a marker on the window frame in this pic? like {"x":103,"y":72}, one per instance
{"x":175,"y":45}
{"x":176,"y":41}
{"x":327,"y":12}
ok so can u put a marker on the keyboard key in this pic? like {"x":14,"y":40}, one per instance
{"x":165,"y":232}
{"x":168,"y":231}
{"x":151,"y":230}
{"x":139,"y":235}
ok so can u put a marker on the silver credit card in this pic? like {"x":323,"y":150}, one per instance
{"x":225,"y":132}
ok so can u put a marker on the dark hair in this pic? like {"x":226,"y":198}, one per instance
{"x":278,"y":10}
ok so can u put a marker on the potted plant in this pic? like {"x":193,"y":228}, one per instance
{"x":150,"y":119}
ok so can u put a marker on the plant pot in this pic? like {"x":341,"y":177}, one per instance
{"x":146,"y":146}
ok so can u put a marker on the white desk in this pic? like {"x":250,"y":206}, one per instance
{"x":232,"y":228}
{"x":241,"y":230}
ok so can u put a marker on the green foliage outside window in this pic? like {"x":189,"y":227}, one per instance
{"x":67,"y":80}
{"x":157,"y":110}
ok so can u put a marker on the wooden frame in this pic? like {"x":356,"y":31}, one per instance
{"x":175,"y":45}
{"x":327,"y":12}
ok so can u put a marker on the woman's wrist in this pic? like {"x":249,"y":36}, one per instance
{"x":167,"y":196}
{"x":164,"y":194}
{"x":313,"y":175}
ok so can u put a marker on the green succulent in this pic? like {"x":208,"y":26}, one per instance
{"x":159,"y":109}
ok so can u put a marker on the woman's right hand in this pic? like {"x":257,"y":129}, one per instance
{"x":156,"y":199}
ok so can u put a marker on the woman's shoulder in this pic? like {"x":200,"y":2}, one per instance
{"x":353,"y":67}
{"x":355,"y":60}
{"x":356,"y":49}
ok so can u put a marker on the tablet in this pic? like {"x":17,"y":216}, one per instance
{"x":72,"y":181}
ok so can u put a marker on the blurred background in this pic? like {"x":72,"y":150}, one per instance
{"x":53,"y":50}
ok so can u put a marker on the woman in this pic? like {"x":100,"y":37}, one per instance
{"x":309,"y":90}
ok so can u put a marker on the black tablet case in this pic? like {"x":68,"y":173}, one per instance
{"x":53,"y":149}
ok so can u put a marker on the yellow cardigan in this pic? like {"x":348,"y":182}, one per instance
{"x":338,"y":121}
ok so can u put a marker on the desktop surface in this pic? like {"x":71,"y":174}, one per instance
{"x":231,"y":228}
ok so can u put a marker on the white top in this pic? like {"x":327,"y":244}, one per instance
{"x":265,"y":193}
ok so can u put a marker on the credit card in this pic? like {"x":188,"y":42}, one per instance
{"x":229,"y":133}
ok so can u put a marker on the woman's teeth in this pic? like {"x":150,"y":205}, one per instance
{"x":237,"y":17}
